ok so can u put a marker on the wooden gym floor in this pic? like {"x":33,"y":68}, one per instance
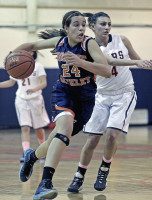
{"x":130,"y":177}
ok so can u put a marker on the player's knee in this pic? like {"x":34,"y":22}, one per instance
{"x":65,"y":129}
{"x":111,"y":138}
{"x":112,"y":135}
{"x":93,"y":141}
{"x":63,"y":138}
{"x":25,"y":129}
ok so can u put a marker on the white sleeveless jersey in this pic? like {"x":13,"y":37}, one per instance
{"x":29,"y":83}
{"x":121,"y":76}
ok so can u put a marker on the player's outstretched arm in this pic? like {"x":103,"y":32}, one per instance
{"x":39,"y":45}
{"x":145,"y":64}
{"x":8,"y":83}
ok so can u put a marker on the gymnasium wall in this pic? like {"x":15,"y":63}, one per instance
{"x":21,"y":20}
{"x":142,"y":114}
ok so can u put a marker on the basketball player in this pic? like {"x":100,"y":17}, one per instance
{"x":74,"y":94}
{"x":79,"y":58}
{"x":114,"y":105}
{"x":29,"y":104}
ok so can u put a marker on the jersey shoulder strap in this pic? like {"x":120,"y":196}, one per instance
{"x":84,"y":43}
{"x":61,"y":41}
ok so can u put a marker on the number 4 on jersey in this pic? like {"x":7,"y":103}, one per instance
{"x":114,"y":71}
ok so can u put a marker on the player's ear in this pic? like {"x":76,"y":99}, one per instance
{"x":92,"y":27}
{"x":66,"y":28}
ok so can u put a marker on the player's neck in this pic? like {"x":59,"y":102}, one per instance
{"x":102,"y":41}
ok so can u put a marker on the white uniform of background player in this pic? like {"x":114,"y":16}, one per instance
{"x":30,"y":107}
{"x":115,"y":101}
{"x":115,"y":97}
{"x":29,"y":104}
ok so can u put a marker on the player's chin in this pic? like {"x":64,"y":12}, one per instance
{"x":80,"y":39}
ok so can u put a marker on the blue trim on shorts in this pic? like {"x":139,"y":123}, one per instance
{"x":103,"y":133}
{"x":128,"y":108}
{"x":92,"y":133}
{"x":118,"y":129}
{"x":26,"y":125}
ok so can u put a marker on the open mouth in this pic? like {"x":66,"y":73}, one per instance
{"x":80,"y":35}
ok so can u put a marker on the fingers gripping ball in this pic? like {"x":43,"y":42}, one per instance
{"x":19,"y":64}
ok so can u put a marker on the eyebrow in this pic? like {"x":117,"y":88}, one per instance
{"x":106,"y":21}
{"x":78,"y":21}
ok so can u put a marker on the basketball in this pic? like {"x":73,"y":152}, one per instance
{"x":19,"y":64}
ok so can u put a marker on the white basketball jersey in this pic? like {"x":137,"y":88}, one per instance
{"x":121,"y":76}
{"x":29,"y":83}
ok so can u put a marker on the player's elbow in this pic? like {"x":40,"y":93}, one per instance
{"x":107,"y":74}
{"x":44,"y":85}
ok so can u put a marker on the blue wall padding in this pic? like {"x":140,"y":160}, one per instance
{"x":143,"y":85}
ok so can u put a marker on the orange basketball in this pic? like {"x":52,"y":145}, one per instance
{"x":19,"y":64}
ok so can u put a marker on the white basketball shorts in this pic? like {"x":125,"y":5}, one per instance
{"x":31,"y":112}
{"x":111,"y":112}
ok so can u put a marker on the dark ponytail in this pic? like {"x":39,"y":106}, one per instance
{"x":50,"y":33}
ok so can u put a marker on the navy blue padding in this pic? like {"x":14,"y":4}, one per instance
{"x":143,"y":87}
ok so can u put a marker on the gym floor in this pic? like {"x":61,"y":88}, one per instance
{"x":130,"y":176}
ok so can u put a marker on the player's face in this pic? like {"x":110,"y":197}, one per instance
{"x":102,"y":26}
{"x":76,"y":30}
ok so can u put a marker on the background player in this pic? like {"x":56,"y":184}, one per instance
{"x":115,"y":102}
{"x":29,"y":104}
